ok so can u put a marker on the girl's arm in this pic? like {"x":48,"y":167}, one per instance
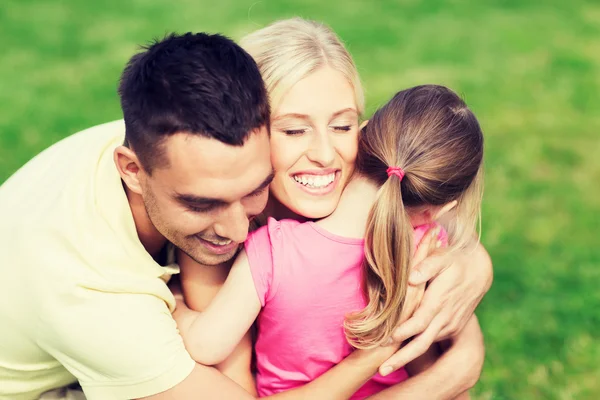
{"x":238,"y":365}
{"x":200,"y":284}
{"x":339,"y":383}
{"x":210,"y":336}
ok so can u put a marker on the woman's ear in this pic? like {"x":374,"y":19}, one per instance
{"x":364,"y":123}
{"x":129,"y":168}
{"x":444,"y":209}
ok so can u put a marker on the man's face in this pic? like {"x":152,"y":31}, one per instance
{"x":203,"y":200}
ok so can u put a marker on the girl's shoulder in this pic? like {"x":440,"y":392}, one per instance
{"x":273,"y":230}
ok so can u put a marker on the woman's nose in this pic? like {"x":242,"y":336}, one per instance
{"x":322,"y":151}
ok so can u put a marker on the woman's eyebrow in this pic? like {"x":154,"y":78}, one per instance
{"x":344,"y":111}
{"x":291,"y":115}
{"x":306,"y":117}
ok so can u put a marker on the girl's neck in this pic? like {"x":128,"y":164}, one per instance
{"x":350,"y":217}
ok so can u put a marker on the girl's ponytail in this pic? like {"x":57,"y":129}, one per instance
{"x":388,"y":249}
{"x":429,"y":131}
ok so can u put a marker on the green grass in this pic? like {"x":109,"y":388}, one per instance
{"x":530,"y":70}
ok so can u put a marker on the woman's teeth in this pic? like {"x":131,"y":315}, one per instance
{"x":315,"y":181}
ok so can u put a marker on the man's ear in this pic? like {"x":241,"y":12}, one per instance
{"x":364,"y":123}
{"x":444,"y":209}
{"x":129,"y":168}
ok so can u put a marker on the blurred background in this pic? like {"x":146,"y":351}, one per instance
{"x":529,"y":69}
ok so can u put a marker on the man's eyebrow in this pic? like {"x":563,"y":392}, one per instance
{"x":264,"y":184}
{"x":198,"y":200}
{"x":205,"y":201}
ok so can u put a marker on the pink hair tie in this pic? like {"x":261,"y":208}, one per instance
{"x":399,"y":172}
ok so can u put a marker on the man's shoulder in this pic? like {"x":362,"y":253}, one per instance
{"x":106,"y":132}
{"x":61,"y":187}
{"x":116,"y":127}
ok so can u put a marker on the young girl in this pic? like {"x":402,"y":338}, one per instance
{"x":321,"y":288}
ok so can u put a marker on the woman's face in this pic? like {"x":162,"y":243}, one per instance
{"x":314,"y":142}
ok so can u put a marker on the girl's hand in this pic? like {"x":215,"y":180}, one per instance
{"x":457,"y":283}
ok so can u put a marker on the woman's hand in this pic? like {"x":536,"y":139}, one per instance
{"x":451,"y":376}
{"x":457,"y":283}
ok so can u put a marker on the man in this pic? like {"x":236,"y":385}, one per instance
{"x":86,"y":227}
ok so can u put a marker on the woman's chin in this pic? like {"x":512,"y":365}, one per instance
{"x":315,"y":209}
{"x":299,"y":204}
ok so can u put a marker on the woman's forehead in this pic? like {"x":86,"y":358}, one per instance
{"x":325,"y":91}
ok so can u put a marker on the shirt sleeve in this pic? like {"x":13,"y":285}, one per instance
{"x":118,"y":345}
{"x":443,"y":236}
{"x":260,"y":247}
{"x":420,"y":231}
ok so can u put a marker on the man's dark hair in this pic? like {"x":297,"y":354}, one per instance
{"x":193,"y":83}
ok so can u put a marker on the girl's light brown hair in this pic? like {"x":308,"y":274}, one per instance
{"x":429,"y":132}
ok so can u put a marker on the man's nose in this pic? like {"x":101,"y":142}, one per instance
{"x":233,"y":224}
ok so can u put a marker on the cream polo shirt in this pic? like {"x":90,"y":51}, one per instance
{"x":81,"y":299}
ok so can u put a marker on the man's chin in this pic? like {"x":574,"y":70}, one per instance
{"x":213,"y":259}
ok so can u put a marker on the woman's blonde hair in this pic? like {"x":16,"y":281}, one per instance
{"x":291,"y":49}
{"x":429,"y":133}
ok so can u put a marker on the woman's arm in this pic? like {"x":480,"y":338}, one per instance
{"x":210,"y":336}
{"x":457,"y":283}
{"x":443,"y":380}
{"x":425,"y":361}
{"x":342,"y":381}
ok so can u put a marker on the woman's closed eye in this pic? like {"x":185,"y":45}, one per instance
{"x":342,"y":128}
{"x":292,"y":132}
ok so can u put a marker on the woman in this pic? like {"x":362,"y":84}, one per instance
{"x":316,"y":101}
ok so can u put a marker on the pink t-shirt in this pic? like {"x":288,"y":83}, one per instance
{"x":307,"y":280}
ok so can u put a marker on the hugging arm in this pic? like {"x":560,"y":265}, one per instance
{"x":457,"y":283}
{"x":200,"y":284}
{"x":213,"y":334}
{"x":344,"y":379}
{"x":338,"y":383}
{"x":443,"y":380}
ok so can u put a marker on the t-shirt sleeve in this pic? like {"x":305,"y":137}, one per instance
{"x":443,"y":236}
{"x":118,"y":345}
{"x":260,"y":249}
{"x":420,"y":231}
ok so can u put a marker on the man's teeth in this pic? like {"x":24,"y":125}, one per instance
{"x":220,"y":242}
{"x":315,"y":181}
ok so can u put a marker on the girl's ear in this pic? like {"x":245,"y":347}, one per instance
{"x":444,"y":209}
{"x":364,"y":123}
